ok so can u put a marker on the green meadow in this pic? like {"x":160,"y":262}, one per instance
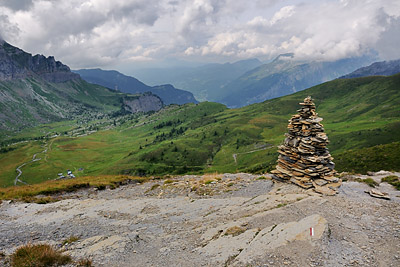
{"x":361,"y":118}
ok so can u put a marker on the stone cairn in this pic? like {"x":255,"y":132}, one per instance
{"x":304,"y":158}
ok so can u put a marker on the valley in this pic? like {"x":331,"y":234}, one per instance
{"x":205,"y":137}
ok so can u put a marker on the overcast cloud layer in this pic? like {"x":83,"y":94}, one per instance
{"x":101,"y":33}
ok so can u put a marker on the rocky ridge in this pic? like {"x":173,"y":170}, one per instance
{"x":18,"y":64}
{"x":385,"y":68}
{"x":38,"y":89}
{"x":215,"y":220}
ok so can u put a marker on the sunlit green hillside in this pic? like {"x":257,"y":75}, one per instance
{"x":208,"y":137}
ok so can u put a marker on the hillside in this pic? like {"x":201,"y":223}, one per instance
{"x":117,"y":81}
{"x":203,"y":81}
{"x":281,"y":77}
{"x":385,"y":68}
{"x":358,"y":114}
{"x":36,"y":90}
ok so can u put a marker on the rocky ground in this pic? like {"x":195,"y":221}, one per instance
{"x":215,"y":220}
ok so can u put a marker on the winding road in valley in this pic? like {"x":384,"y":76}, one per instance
{"x":18,"y":169}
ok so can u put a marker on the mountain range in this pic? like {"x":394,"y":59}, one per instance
{"x":127,"y":84}
{"x":360,"y":115}
{"x":385,"y":68}
{"x":361,"y":118}
{"x":249,"y":81}
{"x":203,"y":81}
{"x":38,"y":89}
{"x":284,"y":75}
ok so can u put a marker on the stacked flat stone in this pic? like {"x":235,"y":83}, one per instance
{"x":304,"y":158}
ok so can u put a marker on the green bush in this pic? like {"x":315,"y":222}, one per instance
{"x":393,"y":180}
{"x":369,"y":181}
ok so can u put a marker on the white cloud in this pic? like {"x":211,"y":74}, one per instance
{"x":326,"y":30}
{"x":283,"y":13}
{"x":89,"y":33}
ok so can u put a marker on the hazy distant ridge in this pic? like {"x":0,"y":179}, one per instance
{"x":127,"y":84}
{"x":384,"y":68}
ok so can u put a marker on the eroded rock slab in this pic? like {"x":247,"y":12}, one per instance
{"x":254,"y":243}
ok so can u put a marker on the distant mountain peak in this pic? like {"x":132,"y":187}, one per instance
{"x":18,"y":64}
{"x":286,"y":56}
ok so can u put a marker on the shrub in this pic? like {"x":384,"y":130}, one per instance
{"x":369,"y":181}
{"x":39,"y":255}
{"x":393,"y":180}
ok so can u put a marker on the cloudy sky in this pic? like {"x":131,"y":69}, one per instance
{"x":105,"y":33}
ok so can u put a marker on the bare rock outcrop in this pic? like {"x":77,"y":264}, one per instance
{"x":18,"y":64}
{"x":142,"y":103}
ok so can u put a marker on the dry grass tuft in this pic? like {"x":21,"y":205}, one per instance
{"x":84,"y":263}
{"x":208,"y":178}
{"x":26,"y":192}
{"x":235,"y":230}
{"x":154,"y":186}
{"x":70,"y":240}
{"x":168,"y":181}
{"x":39,"y":255}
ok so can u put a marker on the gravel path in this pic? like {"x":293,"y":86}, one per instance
{"x":234,"y":220}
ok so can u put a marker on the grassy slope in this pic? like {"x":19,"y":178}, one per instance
{"x":31,"y":101}
{"x":358,"y":113}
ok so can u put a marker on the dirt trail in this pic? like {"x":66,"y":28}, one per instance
{"x":252,"y":151}
{"x":236,"y":220}
{"x":18,"y":169}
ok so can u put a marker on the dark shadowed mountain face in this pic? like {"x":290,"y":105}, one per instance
{"x":383,"y":68}
{"x":113,"y":80}
{"x":127,"y":84}
{"x":281,"y":77}
{"x":17,"y":64}
{"x":204,"y":81}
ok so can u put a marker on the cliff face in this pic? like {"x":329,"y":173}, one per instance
{"x":17,"y":64}
{"x":142,"y":103}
